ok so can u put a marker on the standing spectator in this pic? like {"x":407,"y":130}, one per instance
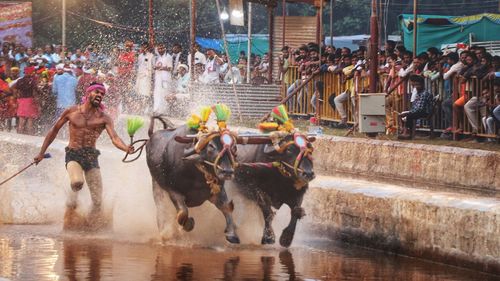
{"x":212,"y":68}
{"x":348,"y":74}
{"x":178,"y":58}
{"x":47,"y":55}
{"x":144,"y":76}
{"x":163,"y":79}
{"x":64,"y":88}
{"x":8,"y":106}
{"x":126,"y":63}
{"x":28,"y":108}
{"x":199,"y":57}
{"x":284,"y":64}
{"x":78,"y":57}
{"x":389,"y":47}
{"x":47,"y":101}
{"x":86,"y":79}
{"x":39,"y":58}
{"x":454,"y":67}
{"x":56,"y":56}
{"x":21,"y":59}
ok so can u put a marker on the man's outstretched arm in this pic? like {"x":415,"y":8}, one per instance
{"x":117,"y":141}
{"x":52,"y":134}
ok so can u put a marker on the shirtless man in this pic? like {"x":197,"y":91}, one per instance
{"x":86,"y":123}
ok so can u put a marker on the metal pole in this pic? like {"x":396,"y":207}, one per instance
{"x":229,"y":60}
{"x":63,"y":11}
{"x":331,"y":22}
{"x":415,"y":29}
{"x":249,"y":47}
{"x":192,"y":35}
{"x":150,"y":25}
{"x":373,"y":48}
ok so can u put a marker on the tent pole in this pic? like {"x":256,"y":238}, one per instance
{"x":228,"y":60}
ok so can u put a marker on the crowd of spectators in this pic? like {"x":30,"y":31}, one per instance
{"x":465,"y":71}
{"x":38,"y":84}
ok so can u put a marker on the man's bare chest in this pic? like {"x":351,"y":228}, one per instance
{"x":79,"y":120}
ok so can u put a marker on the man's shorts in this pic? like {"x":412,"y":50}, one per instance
{"x":86,"y":157}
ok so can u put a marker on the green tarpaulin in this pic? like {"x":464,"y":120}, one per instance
{"x":435,"y":30}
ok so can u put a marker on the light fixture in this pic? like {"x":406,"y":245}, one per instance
{"x":237,"y":13}
{"x":224,"y":15}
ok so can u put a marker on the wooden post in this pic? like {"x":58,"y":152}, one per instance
{"x":63,"y":15}
{"x":373,"y":48}
{"x":270,"y":12}
{"x":318,"y":23}
{"x":331,"y":22}
{"x":283,"y":7}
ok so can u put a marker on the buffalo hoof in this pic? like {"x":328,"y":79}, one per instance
{"x":267,"y":240}
{"x":188,"y":225}
{"x":286,"y":238}
{"x":233,"y":239}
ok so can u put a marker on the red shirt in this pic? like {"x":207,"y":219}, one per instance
{"x":126,"y":62}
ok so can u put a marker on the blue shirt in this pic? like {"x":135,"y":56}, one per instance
{"x":64,"y":88}
{"x":22,"y":65}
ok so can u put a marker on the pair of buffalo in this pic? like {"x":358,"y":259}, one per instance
{"x":192,"y":169}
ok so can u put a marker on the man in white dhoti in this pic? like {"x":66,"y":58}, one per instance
{"x":144,"y":77}
{"x":163,"y":79}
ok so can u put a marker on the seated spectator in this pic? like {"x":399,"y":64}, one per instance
{"x":182,"y":79}
{"x":493,"y":119}
{"x":475,"y":104}
{"x":420,"y":108}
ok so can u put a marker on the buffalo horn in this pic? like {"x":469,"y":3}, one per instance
{"x":184,"y":139}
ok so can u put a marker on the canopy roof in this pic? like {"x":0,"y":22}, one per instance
{"x":273,"y":3}
{"x":435,"y":30}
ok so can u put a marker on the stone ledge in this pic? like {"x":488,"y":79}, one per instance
{"x":445,"y":227}
{"x":430,"y":165}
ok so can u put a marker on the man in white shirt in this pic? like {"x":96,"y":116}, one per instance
{"x":199,"y":57}
{"x":144,"y":76}
{"x":212,"y":68}
{"x":163,"y":79}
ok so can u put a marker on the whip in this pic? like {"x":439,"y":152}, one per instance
{"x":45,"y":156}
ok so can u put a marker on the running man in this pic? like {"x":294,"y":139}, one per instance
{"x":86,"y":123}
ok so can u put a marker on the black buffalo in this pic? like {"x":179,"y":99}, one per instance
{"x":191,"y":170}
{"x":273,"y":175}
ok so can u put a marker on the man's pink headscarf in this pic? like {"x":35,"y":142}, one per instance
{"x":94,"y":87}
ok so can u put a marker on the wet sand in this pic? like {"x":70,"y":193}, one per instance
{"x":45,"y":252}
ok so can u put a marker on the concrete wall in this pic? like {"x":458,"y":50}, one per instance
{"x":426,"y":165}
{"x":446,"y":227}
